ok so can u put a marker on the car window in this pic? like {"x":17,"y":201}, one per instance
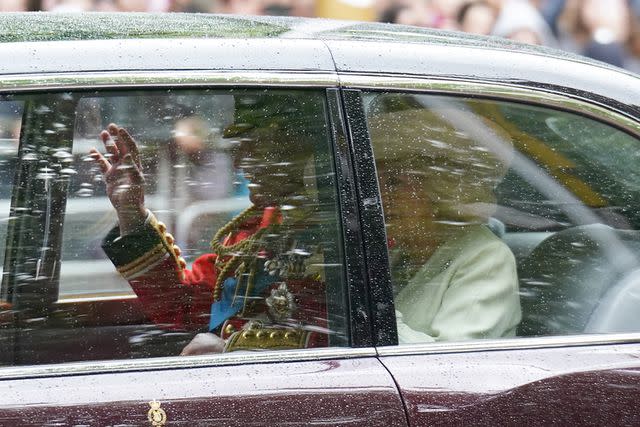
{"x":189,"y":180}
{"x":10,"y":122}
{"x":239,"y":237}
{"x":505,"y":219}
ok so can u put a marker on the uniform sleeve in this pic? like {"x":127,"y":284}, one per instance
{"x":169,"y":294}
{"x":482,"y":298}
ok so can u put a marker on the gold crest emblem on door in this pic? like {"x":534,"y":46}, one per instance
{"x":156,"y":415}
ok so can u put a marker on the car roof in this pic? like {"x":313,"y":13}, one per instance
{"x":57,"y":42}
{"x":44,"y":26}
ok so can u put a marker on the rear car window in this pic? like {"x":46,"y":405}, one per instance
{"x":80,"y":288}
{"x":505,"y":219}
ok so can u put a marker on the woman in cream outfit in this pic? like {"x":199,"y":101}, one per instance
{"x":438,"y":161}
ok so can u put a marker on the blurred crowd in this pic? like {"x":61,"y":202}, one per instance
{"x":607,"y":30}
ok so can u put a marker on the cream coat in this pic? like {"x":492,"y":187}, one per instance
{"x":467,"y":290}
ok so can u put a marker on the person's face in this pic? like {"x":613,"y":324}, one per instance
{"x":273,"y":168}
{"x":448,"y":7}
{"x":525,"y":35}
{"x":408,"y":211}
{"x":132,"y":5}
{"x":13,"y":6}
{"x":412,"y":15}
{"x":189,"y":134}
{"x":479,"y":20}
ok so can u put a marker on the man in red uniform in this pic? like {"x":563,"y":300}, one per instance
{"x":253,"y":291}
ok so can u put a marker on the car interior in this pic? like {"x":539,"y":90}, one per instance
{"x":565,"y":207}
{"x":80,"y":308}
{"x":577,"y":245}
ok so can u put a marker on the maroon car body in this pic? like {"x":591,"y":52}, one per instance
{"x":87,"y":372}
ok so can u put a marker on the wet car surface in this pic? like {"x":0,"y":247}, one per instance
{"x":415,"y":140}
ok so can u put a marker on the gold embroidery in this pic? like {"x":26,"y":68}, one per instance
{"x":267,"y":339}
{"x":147,"y":259}
{"x":229,"y":329}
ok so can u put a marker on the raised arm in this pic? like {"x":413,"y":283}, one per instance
{"x":122,"y":172}
{"x":142,"y":250}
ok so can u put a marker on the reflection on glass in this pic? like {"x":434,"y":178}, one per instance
{"x":239,"y":237}
{"x":454,"y":279}
{"x":558,"y":193}
{"x":262,"y":282}
{"x":10,"y":121}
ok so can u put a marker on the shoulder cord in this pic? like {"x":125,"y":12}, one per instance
{"x":236,"y":251}
{"x":246,"y":248}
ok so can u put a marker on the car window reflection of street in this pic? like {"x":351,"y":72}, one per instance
{"x":187,"y":177}
{"x":10,"y":122}
{"x":438,"y":164}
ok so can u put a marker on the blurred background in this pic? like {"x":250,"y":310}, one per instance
{"x":607,"y":30}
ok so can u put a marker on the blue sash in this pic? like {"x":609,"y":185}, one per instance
{"x":228,"y":306}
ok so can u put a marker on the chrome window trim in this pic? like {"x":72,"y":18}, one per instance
{"x":495,"y":90}
{"x":159,"y":79}
{"x":522,"y":343}
{"x":181,"y":362}
{"x":303,"y":79}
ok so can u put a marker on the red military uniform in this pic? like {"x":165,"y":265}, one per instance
{"x":281,"y":311}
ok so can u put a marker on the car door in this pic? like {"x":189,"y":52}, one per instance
{"x":512,"y":240}
{"x":79,"y":344}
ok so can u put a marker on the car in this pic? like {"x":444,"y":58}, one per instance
{"x":410,"y":139}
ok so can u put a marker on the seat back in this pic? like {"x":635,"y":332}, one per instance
{"x":573,"y":274}
{"x":618,"y":310}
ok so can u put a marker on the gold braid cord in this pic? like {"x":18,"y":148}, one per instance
{"x":229,"y":228}
{"x":243,"y":248}
{"x":230,"y":258}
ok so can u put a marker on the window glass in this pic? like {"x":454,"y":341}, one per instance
{"x":10,"y":121}
{"x":189,"y":179}
{"x":505,"y":219}
{"x":206,"y":221}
